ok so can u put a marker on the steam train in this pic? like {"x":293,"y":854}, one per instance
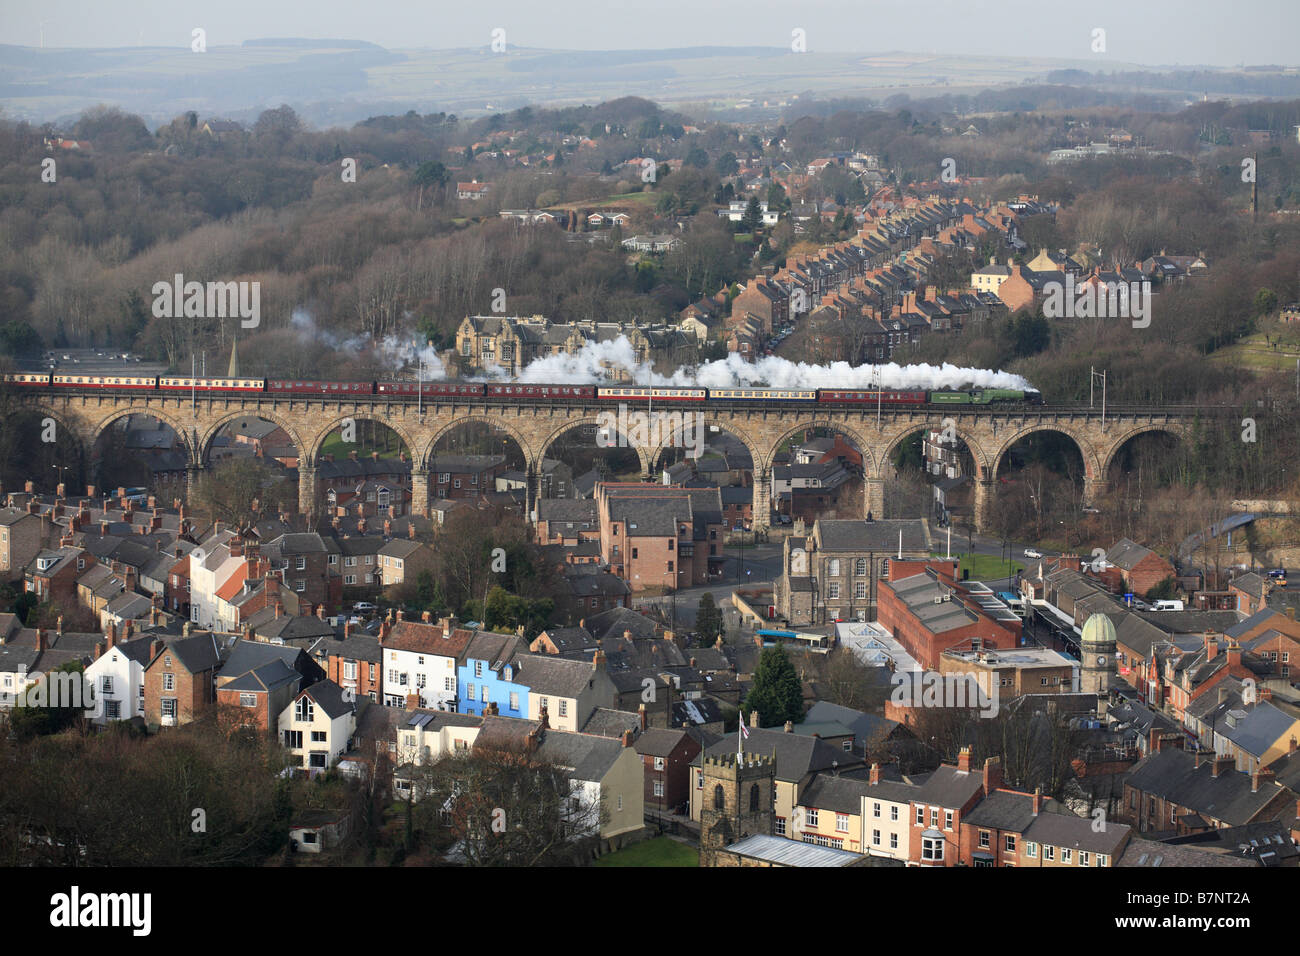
{"x":498,"y":391}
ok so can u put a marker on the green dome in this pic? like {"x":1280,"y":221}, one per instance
{"x":1098,"y":629}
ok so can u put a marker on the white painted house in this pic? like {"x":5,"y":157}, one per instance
{"x":317,"y":726}
{"x":118,"y":676}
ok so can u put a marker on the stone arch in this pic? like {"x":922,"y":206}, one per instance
{"x":1108,"y":459}
{"x":214,"y":426}
{"x":977,"y":450}
{"x":317,"y":441}
{"x":421,"y":456}
{"x":186,"y":438}
{"x":75,"y":425}
{"x":734,"y":429}
{"x":869,"y":463}
{"x":1087,"y":453}
{"x":594,"y":420}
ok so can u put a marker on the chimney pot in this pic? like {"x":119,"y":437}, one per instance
{"x":789,"y":726}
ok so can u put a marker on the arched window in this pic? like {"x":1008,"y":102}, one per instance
{"x":719,"y":798}
{"x":860,"y":567}
{"x":833,"y":567}
{"x":754,"y":799}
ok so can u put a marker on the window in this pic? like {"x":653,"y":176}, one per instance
{"x":469,"y":691}
{"x":456,"y":483}
{"x":318,"y":736}
{"x":300,"y":586}
{"x":659,"y":788}
{"x":112,"y":709}
{"x":483,"y":696}
{"x":169,"y":681}
{"x":514,"y":702}
{"x":293,"y":739}
{"x":372,"y":671}
{"x":719,"y":798}
{"x":860,"y":591}
{"x":564,"y":707}
{"x":932,"y":848}
{"x":1049,"y":852}
{"x":860,"y":566}
{"x":670,"y":565}
{"x":449,"y":683}
{"x":478,"y":668}
{"x":247,"y":700}
{"x":833,"y":568}
{"x":934,"y":817}
{"x":841,"y":823}
{"x":349,"y":579}
{"x":108,"y":684}
{"x":833,"y":591}
{"x":659,"y":763}
{"x":984,"y":839}
{"x":893,"y":841}
{"x":754,"y":799}
{"x":1102,"y":860}
{"x":893,"y":813}
{"x":634,"y":553}
{"x":812,"y":816}
{"x":947,"y":819}
{"x":1067,"y":855}
{"x":1011,"y":843}
{"x":875,"y":810}
{"x":875,"y":838}
{"x":920,"y":816}
{"x":334,"y":560}
{"x":780,"y":826}
{"x":301,"y":564}
{"x":305,"y":710}
{"x":1085,"y":858}
{"x":420,"y":680}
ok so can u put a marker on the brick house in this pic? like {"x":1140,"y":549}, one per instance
{"x":1141,"y":569}
{"x":180,"y":680}
{"x":667,"y":756}
{"x":937,"y":811}
{"x":658,"y":536}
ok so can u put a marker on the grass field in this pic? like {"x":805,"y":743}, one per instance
{"x":336,"y":446}
{"x":661,"y":851}
{"x":983,"y":566}
{"x":1253,"y":353}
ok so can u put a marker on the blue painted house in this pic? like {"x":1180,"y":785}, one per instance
{"x":486,"y":677}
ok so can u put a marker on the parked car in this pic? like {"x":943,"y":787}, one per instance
{"x":364,"y":607}
{"x":1090,"y":510}
{"x":1278,"y":573}
{"x":1033,"y":553}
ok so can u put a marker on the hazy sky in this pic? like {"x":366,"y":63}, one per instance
{"x":1155,"y":32}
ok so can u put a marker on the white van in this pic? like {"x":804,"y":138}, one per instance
{"x":1168,"y":606}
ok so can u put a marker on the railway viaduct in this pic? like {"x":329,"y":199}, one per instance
{"x":988,"y":432}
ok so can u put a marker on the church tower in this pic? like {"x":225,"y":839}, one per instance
{"x":739,"y":800}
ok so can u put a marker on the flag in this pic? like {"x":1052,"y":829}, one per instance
{"x":744,"y":730}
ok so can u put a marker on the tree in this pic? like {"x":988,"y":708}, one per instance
{"x":228,"y":491}
{"x":752,"y":219}
{"x":776,"y":693}
{"x":1265,"y":302}
{"x":727,"y":165}
{"x":708,"y":619}
{"x":429,"y":175}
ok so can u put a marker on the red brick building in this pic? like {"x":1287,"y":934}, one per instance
{"x":667,"y":756}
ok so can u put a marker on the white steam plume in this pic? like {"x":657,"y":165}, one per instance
{"x":591,"y":365}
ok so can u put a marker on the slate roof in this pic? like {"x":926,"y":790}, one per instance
{"x":1009,"y":810}
{"x":826,"y":791}
{"x":585,"y":756}
{"x":949,"y":787}
{"x":264,"y":677}
{"x":197,"y":653}
{"x":1172,"y":774}
{"x":796,"y":756}
{"x":329,"y":697}
{"x":1127,"y":554}
{"x":429,"y":639}
{"x":878,"y":535}
{"x":605,"y":722}
{"x":1150,"y":854}
{"x":551,"y":676}
{"x":1262,"y":726}
{"x":1076,"y":833}
{"x":659,"y":742}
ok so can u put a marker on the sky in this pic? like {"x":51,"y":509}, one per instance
{"x":1148,"y":32}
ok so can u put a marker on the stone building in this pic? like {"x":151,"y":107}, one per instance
{"x":738,"y":802}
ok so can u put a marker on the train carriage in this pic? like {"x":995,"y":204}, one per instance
{"x":763,"y":394}
{"x":103,"y":381}
{"x":430,"y":389}
{"x":516,"y":390}
{"x":664,"y":394}
{"x":30,"y":379}
{"x":870,"y":396}
{"x":296,"y":387}
{"x":179,"y":384}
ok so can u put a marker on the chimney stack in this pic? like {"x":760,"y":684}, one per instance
{"x":753,"y":717}
{"x":641,"y":714}
{"x":156,"y":648}
{"x":598,"y":661}
{"x":992,"y":774}
{"x":1261,"y":776}
{"x":627,"y":738}
{"x":41,"y":643}
{"x":426,"y":617}
{"x":875,"y":774}
{"x":963,"y":760}
{"x":410,"y":529}
{"x":789,"y":726}
{"x":1221,"y":765}
{"x":1038,"y":800}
